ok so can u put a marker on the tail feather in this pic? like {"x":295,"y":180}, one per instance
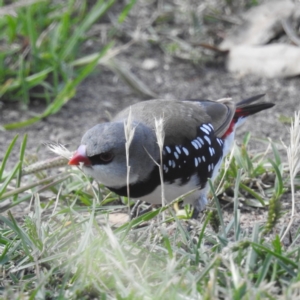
{"x":249,"y":100}
{"x":251,"y":109}
{"x":244,"y":109}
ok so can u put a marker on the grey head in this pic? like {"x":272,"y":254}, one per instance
{"x":104,"y":146}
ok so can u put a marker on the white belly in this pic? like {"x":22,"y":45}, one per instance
{"x":173,"y":191}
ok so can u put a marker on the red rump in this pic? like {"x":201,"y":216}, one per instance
{"x":245,"y":109}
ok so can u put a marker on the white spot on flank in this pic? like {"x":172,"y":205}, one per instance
{"x":164,"y":152}
{"x":198,"y":143}
{"x":195,"y":145}
{"x":173,"y":164}
{"x":208,"y":139}
{"x":210,"y":151}
{"x":204,"y":129}
{"x":185,"y":161}
{"x":185,"y":151}
{"x":170,"y":163}
{"x":168,"y":149}
{"x":176,"y":155}
{"x":199,"y":159}
{"x":212,"y":127}
{"x":208,"y":168}
{"x":196,"y":162}
{"x":220,"y":142}
{"x":203,"y":158}
{"x":200,"y":140}
{"x":178,"y":149}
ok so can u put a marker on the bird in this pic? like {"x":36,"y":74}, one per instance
{"x":197,"y":135}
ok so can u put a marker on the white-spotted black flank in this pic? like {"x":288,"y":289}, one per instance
{"x":194,"y":157}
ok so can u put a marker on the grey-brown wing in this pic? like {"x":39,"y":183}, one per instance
{"x":181,"y":118}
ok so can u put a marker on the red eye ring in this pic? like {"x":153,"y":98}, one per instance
{"x":106,"y":156}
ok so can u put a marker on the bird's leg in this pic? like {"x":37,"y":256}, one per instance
{"x":149,"y":208}
{"x":134,"y":211}
{"x":195,"y":213}
{"x":199,"y":205}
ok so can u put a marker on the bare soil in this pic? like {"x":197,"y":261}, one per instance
{"x":103,"y":94}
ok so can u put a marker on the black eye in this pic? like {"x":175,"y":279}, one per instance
{"x":106,"y":157}
{"x":102,"y":158}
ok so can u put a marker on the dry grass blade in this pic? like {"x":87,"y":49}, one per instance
{"x":105,"y":60}
{"x":133,"y":81}
{"x":59,"y":149}
{"x":227,"y":162}
{"x":45,"y":165}
{"x":224,"y":100}
{"x":129,"y":133}
{"x":160,"y":136}
{"x":293,"y":154}
{"x":55,"y":162}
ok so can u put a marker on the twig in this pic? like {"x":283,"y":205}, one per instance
{"x":287,"y":27}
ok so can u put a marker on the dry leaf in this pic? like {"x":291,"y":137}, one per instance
{"x":118,"y":219}
{"x":261,"y":24}
{"x":274,"y":60}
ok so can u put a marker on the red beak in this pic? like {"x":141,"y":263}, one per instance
{"x":80,"y":157}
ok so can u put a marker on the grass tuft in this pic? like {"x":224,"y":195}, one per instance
{"x":40,"y":58}
{"x":70,"y":245}
{"x":63,"y":237}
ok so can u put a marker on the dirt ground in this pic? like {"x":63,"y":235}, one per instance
{"x":103,"y":94}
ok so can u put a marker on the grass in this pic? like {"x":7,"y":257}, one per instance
{"x":43,"y":57}
{"x":67,"y":247}
{"x":70,"y":244}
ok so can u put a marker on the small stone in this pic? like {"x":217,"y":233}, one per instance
{"x":149,"y":64}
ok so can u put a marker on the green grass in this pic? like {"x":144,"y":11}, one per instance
{"x":66,"y":247}
{"x":42,"y":57}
